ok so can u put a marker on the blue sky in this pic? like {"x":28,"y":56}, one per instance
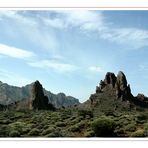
{"x":70,"y":51}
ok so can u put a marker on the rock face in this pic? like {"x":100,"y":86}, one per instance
{"x":39,"y":100}
{"x":114,"y":93}
{"x":119,"y":84}
{"x":12,"y":94}
{"x":122,"y":89}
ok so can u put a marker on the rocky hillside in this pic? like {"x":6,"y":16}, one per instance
{"x":114,"y":94}
{"x":37,"y":100}
{"x":10,"y":94}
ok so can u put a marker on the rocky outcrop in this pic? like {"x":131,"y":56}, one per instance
{"x":118,"y":84}
{"x":38,"y":100}
{"x":122,"y":88}
{"x":9,"y":95}
{"x":114,"y":93}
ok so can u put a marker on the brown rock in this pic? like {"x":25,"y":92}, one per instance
{"x":39,"y":101}
{"x":121,"y":81}
{"x":110,"y":78}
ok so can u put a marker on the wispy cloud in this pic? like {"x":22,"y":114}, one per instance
{"x":132,"y":38}
{"x":8,"y":77}
{"x":143,"y":67}
{"x":83,"y":19}
{"x":32,"y":29}
{"x":87,"y":21}
{"x":15,"y":52}
{"x":19,"y":18}
{"x":95,"y":21}
{"x":95,"y":69}
{"x":54,"y":65}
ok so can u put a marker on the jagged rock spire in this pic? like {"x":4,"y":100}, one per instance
{"x":121,"y":80}
{"x":110,"y":78}
{"x":119,"y":84}
{"x":39,"y":100}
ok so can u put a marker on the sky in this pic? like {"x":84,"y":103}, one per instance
{"x":70,"y":51}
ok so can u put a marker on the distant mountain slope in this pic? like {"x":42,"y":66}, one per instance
{"x":10,"y":94}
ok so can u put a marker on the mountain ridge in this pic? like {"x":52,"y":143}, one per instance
{"x":10,"y":94}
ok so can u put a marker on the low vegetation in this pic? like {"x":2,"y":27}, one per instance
{"x":72,"y":123}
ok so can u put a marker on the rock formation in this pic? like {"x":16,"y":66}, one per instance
{"x":119,"y":84}
{"x":9,"y":95}
{"x":114,"y":93}
{"x":39,"y":100}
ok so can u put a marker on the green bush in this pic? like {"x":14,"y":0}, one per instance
{"x":56,"y":133}
{"x":48,"y":131}
{"x":34,"y":132}
{"x":85,"y":113}
{"x":4,"y":131}
{"x":138,"y":133}
{"x":130,"y":127}
{"x":60,"y":124}
{"x":103,"y":127}
{"x":20,"y":127}
{"x":146,"y":129}
{"x":74,"y":128}
{"x":5,"y":121}
{"x":14,"y":133}
{"x":16,"y":126}
{"x":142,"y":116}
{"x":89,"y":134}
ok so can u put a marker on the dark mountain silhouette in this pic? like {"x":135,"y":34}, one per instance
{"x":12,"y":95}
{"x":114,"y":94}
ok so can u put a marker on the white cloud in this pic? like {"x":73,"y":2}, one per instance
{"x":143,"y":67}
{"x":8,"y":77}
{"x":14,"y":15}
{"x":95,"y":21}
{"x":53,"y":65}
{"x":83,"y":19}
{"x":15,"y":52}
{"x":87,"y":20}
{"x":55,"y":23}
{"x":133,"y":38}
{"x":31,"y":28}
{"x":95,"y":69}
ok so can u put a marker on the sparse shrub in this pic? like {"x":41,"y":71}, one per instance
{"x":142,"y":116}
{"x":138,"y":133}
{"x":82,"y":124}
{"x":14,"y":133}
{"x":65,"y":114}
{"x":48,"y":131}
{"x":109,"y":112}
{"x":103,"y":127}
{"x":56,"y":133}
{"x":18,"y":127}
{"x":60,"y":124}
{"x":34,"y":132}
{"x":130,"y":127}
{"x":5,"y":121}
{"x":4,"y":131}
{"x":146,"y":129}
{"x":119,"y":131}
{"x":122,"y":122}
{"x":89,"y":133}
{"x":74,"y":128}
{"x":75,"y":121}
{"x":85,"y":113}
